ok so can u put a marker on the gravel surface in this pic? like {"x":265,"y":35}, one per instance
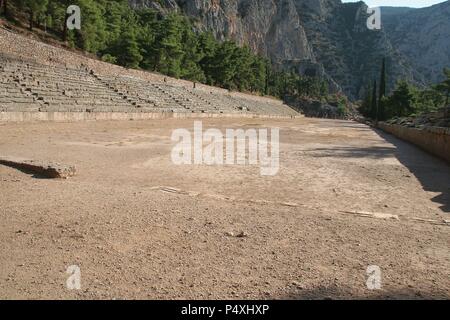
{"x":138,"y":226}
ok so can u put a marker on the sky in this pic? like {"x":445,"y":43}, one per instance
{"x":399,"y":3}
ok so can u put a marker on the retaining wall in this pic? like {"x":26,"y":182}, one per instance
{"x":86,"y":116}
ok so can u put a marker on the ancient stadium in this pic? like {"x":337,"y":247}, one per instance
{"x":87,"y":180}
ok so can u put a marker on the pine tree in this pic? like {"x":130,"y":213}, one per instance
{"x":402,"y":99}
{"x":93,"y":36}
{"x":169,"y":51}
{"x":244,"y":76}
{"x":127,"y":50}
{"x":259,"y":72}
{"x":147,"y":31}
{"x":444,"y":86}
{"x":64,"y":23}
{"x":208,"y":47}
{"x":192,"y":55}
{"x":4,"y":7}
{"x":224,"y":66}
{"x":34,"y":8}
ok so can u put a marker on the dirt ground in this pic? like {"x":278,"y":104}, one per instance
{"x":139,"y":226}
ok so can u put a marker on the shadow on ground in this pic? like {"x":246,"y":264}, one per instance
{"x":353,"y":152}
{"x":32,"y":173}
{"x":337,"y":293}
{"x":432,"y":172}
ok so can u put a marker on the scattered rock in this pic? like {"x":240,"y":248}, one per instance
{"x":46,"y":169}
{"x":289,"y":204}
{"x":376,"y":215}
{"x":242,"y":234}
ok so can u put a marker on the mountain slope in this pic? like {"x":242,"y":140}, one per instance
{"x":423,"y":36}
{"x":327,"y":37}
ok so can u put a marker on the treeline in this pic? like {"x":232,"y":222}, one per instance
{"x":293,"y":84}
{"x":405,"y":100}
{"x":170,"y":45}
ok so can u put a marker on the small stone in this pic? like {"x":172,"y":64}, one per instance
{"x":242,"y":234}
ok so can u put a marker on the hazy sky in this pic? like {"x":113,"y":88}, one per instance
{"x":399,"y":3}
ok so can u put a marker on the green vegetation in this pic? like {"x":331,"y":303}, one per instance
{"x":444,"y":86}
{"x":171,"y":45}
{"x":292,"y":84}
{"x":405,"y":100}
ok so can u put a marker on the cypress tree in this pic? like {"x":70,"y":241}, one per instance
{"x":382,"y":91}
{"x":4,"y":6}
{"x":374,"y":107}
{"x":367,"y":102}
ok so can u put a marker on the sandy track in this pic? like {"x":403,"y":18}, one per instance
{"x":140,"y":227}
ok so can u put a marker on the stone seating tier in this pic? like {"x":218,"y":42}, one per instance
{"x":34,"y":87}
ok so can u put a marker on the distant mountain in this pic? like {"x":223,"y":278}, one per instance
{"x":422,"y":36}
{"x":329,"y":38}
{"x":388,"y":12}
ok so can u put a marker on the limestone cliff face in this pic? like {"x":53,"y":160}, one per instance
{"x":164,"y":6}
{"x":423,"y":36}
{"x":322,"y":37}
{"x":269,"y":27}
{"x":350,"y":52}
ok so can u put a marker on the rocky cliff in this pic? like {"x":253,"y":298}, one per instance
{"x":326,"y":37}
{"x":422,"y":36}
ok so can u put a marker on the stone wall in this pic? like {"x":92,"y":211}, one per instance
{"x":99,"y":116}
{"x":435,"y":140}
